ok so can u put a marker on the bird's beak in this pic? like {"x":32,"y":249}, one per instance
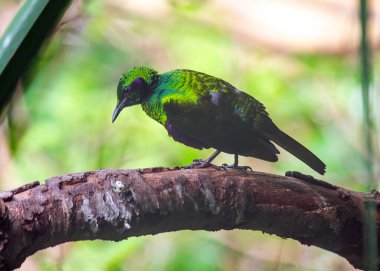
{"x":118,"y":109}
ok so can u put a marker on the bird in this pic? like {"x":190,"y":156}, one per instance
{"x":203,"y":111}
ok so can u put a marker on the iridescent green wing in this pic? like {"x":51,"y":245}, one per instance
{"x":213,"y":111}
{"x":185,"y":91}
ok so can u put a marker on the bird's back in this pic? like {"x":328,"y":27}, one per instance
{"x":182,"y":87}
{"x":211,"y":111}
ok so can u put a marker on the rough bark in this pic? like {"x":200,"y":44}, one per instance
{"x":116,"y":204}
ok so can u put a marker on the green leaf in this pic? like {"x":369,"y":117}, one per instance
{"x":23,"y":39}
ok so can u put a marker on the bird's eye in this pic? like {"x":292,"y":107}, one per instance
{"x":137,"y":83}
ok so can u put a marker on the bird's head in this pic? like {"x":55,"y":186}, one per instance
{"x":134,"y":86}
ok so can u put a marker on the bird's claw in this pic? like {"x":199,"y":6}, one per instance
{"x":199,"y":163}
{"x":245,"y":168}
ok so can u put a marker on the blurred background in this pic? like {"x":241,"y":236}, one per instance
{"x":299,"y":58}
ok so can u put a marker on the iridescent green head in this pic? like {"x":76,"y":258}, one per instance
{"x":134,"y":86}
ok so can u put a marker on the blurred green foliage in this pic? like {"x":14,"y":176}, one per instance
{"x":64,"y":125}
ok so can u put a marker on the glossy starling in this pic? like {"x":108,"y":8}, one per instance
{"x":202,"y":111}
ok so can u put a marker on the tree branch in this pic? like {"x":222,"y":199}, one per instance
{"x":116,"y":204}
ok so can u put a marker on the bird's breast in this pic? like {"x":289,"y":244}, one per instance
{"x":154,"y":109}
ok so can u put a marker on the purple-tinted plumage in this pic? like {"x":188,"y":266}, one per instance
{"x":178,"y":136}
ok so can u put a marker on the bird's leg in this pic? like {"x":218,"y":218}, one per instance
{"x":211,"y":158}
{"x":235,"y":165}
{"x":236,"y":160}
{"x":199,"y":163}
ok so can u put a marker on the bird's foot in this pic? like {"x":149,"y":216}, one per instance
{"x":199,"y":163}
{"x":245,"y":168}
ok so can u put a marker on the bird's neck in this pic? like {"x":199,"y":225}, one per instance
{"x":147,"y":90}
{"x":152,"y":104}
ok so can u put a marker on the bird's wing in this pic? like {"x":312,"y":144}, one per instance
{"x":210,"y":112}
{"x":223,"y":119}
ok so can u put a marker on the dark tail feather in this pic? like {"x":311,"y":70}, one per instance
{"x":298,"y":151}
